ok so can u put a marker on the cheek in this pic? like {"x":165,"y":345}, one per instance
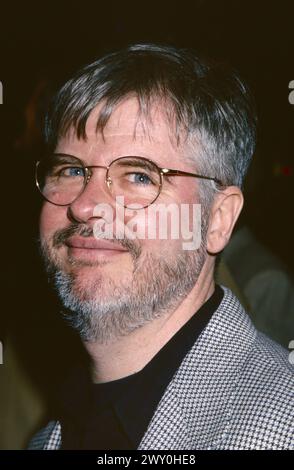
{"x":155,"y":228}
{"x":52,"y":218}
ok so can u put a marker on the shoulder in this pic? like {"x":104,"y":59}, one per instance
{"x":268,"y":369}
{"x":263,"y":403}
{"x":256,"y":377}
{"x":48,"y":437}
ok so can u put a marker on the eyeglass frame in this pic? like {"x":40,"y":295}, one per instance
{"x":161,"y":171}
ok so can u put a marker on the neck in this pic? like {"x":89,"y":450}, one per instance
{"x":129,"y":354}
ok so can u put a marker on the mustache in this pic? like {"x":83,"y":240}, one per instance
{"x":83,"y":230}
{"x":61,"y":236}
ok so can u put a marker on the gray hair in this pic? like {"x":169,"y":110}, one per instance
{"x":205,"y":101}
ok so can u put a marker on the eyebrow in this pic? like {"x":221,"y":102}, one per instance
{"x":65,"y":158}
{"x":125,"y":161}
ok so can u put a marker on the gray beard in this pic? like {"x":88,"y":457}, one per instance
{"x":158,"y":285}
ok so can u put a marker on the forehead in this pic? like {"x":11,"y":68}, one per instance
{"x":127,"y":131}
{"x":128,"y":119}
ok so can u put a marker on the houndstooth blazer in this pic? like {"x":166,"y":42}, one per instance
{"x":233,"y":390}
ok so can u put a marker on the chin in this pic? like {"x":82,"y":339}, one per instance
{"x":97,"y":282}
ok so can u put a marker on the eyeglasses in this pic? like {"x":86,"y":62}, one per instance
{"x":62,"y":178}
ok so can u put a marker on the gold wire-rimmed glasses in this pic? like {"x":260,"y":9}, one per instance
{"x":61,"y":179}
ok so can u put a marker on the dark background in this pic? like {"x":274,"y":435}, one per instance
{"x":42,"y":44}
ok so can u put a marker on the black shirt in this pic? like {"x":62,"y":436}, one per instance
{"x":116,"y":414}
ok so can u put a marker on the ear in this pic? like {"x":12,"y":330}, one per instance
{"x":224,"y":214}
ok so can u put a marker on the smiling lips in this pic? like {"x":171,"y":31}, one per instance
{"x":92,"y":246}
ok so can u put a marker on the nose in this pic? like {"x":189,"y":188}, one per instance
{"x":82,"y":210}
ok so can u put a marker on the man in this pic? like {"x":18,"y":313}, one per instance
{"x":175,"y":360}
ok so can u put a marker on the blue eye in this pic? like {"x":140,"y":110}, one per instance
{"x":72,"y":172}
{"x":140,"y":178}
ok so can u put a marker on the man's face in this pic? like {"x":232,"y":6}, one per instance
{"x":115,"y":286}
